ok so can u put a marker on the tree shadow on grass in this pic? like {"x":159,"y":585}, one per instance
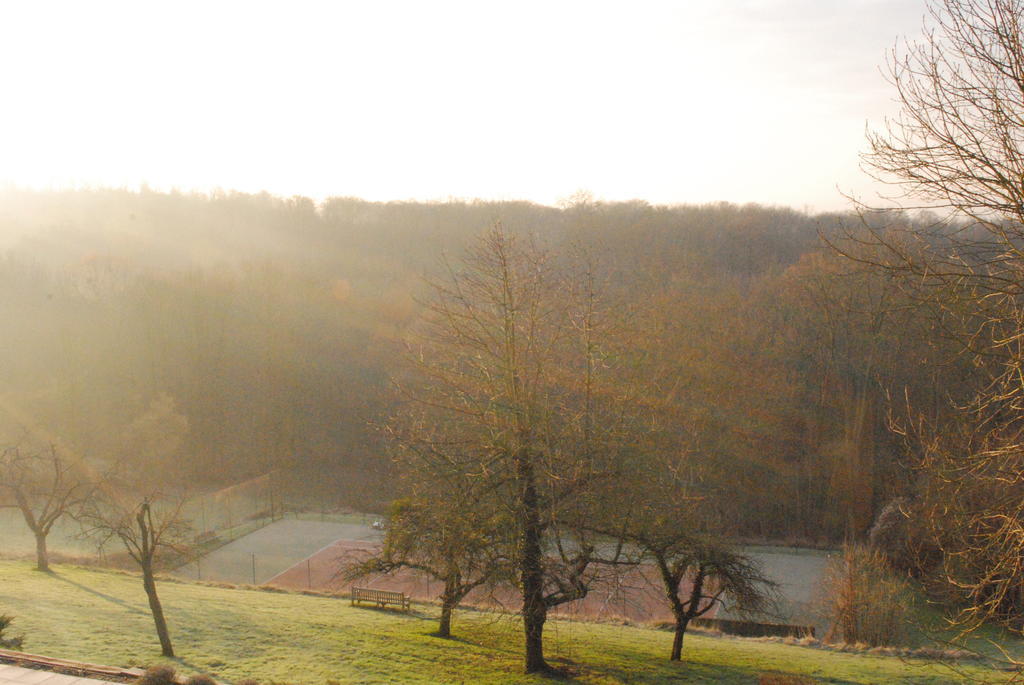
{"x":189,"y":665}
{"x":680,"y":671}
{"x":101,"y":595}
{"x":564,"y":670}
{"x":626,"y":665}
{"x":394,"y":611}
{"x":452,"y":638}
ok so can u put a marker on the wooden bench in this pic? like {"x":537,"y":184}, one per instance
{"x":381,"y":598}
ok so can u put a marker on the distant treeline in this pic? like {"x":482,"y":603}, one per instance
{"x":215,"y":337}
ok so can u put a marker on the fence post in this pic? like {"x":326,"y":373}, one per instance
{"x":254,"y":568}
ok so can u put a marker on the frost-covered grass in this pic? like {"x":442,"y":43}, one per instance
{"x":102,"y":616}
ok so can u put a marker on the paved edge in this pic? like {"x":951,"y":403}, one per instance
{"x":67,"y":667}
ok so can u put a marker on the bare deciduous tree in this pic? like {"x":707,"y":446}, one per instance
{"x":958,"y":146}
{"x":46,"y":487}
{"x":436,"y":538}
{"x":512,"y":358}
{"x":958,"y":141}
{"x":148,"y":526}
{"x":677,"y":532}
{"x":713,"y":570}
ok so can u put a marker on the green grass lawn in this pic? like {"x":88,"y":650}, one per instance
{"x":103,"y":617}
{"x":930,"y":626}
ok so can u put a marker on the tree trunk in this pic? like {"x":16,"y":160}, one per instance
{"x":535,"y":611}
{"x":677,"y":641}
{"x":671,"y":578}
{"x":534,"y":617}
{"x":149,"y":582}
{"x":444,"y":627}
{"x":692,"y":608}
{"x":449,"y":600}
{"x":42,"y":558}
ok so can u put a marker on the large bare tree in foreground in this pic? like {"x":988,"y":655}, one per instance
{"x":957,"y":146}
{"x":512,"y":363}
{"x":956,"y":142}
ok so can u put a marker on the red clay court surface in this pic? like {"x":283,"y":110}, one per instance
{"x":634,"y":596}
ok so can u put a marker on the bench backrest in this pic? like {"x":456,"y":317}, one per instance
{"x":377,"y":595}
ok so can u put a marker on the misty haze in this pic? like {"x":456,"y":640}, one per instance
{"x":456,"y":343}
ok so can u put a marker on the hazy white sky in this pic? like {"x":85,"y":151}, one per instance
{"x":685,"y":101}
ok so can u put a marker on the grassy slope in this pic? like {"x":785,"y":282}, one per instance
{"x":103,"y":617}
{"x":930,"y":627}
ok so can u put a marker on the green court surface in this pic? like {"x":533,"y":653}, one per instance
{"x":263,"y":554}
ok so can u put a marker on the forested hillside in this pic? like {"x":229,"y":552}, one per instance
{"x":215,"y":337}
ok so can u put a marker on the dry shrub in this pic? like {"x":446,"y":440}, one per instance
{"x":865,"y":600}
{"x":158,"y":675}
{"x":201,"y":679}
